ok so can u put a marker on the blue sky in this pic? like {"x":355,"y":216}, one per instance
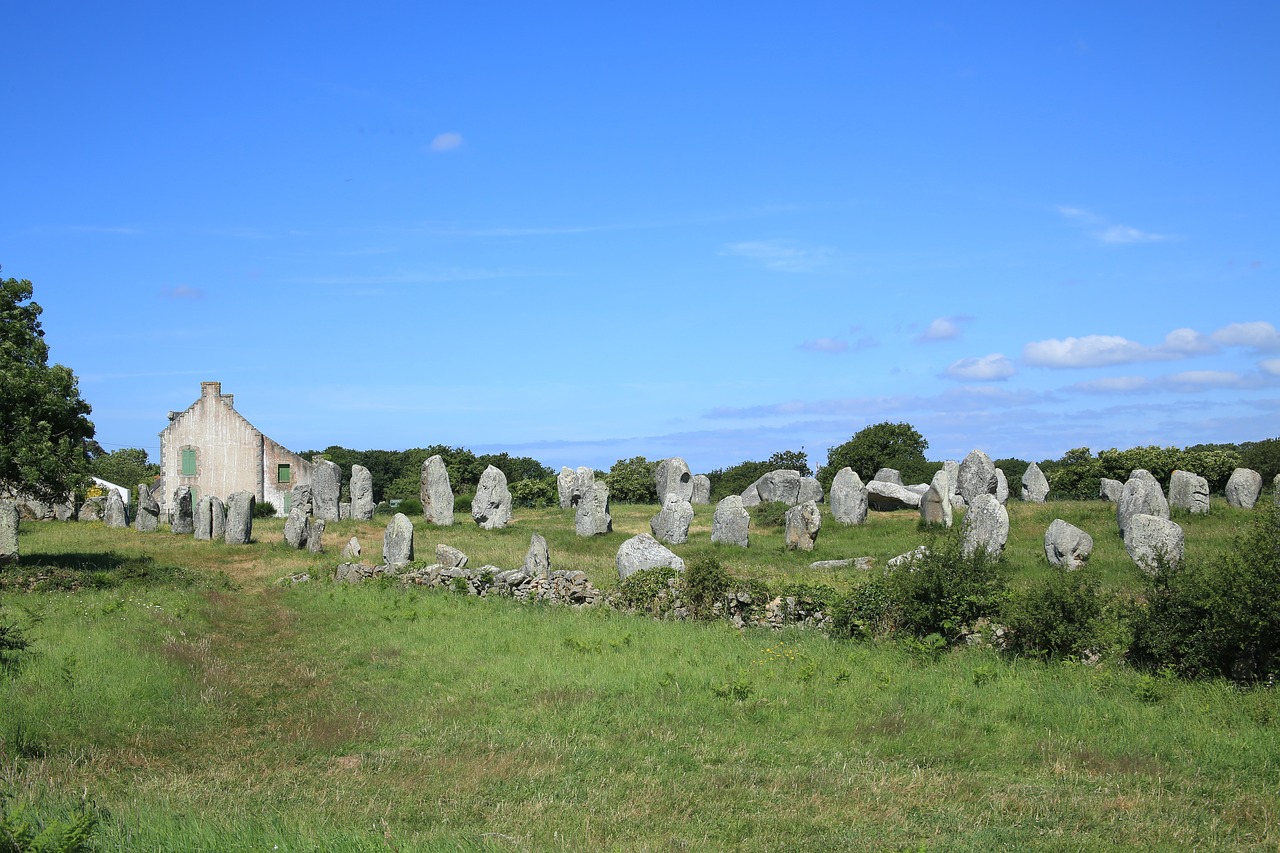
{"x":582,"y":233}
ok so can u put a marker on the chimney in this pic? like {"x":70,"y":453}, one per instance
{"x":210,"y":389}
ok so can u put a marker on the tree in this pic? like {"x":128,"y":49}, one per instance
{"x":44,"y":425}
{"x":630,"y":481}
{"x":126,"y":467}
{"x":882,"y":445}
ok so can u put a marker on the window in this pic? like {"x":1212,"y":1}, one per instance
{"x":188,"y":463}
{"x":282,"y":473}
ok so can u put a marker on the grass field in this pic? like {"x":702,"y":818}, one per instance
{"x":196,"y":704}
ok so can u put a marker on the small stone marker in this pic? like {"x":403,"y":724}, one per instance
{"x":537,"y":560}
{"x":397,"y":542}
{"x":803,"y":523}
{"x":731,"y":522}
{"x":351,"y":551}
{"x":450,"y":557}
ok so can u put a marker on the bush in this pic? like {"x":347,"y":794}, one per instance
{"x":639,"y":590}
{"x":535,"y":494}
{"x":1057,"y":617}
{"x":1219,"y":618}
{"x":705,"y":583}
{"x":264,"y":509}
{"x":770,"y":514}
{"x":462,"y":502}
{"x":882,"y":445}
{"x":631,"y":481}
{"x":12,"y":645}
{"x":411,"y":507}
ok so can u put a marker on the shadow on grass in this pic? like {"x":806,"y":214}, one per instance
{"x":98,"y":570}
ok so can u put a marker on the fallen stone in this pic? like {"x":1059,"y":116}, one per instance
{"x":1153,"y":542}
{"x":644,"y":552}
{"x":848,"y":497}
{"x":362,"y":503}
{"x":592,"y":517}
{"x":1189,"y":492}
{"x":886,"y":497}
{"x":986,"y":526}
{"x":1243,"y":488}
{"x":803,"y":523}
{"x":671,"y":524}
{"x":862,"y":563}
{"x":1035,"y":486}
{"x":436,"y":493}
{"x":907,"y":560}
{"x":397,"y":542}
{"x":1067,"y":546}
{"x":491,"y":507}
{"x":731,"y":522}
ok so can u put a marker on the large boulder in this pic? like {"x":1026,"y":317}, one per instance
{"x":362,"y":503}
{"x":810,"y":490}
{"x":1141,"y":495}
{"x":848,"y":497}
{"x":701,"y":489}
{"x":644,"y":552}
{"x":803,"y":523}
{"x":115,"y":514}
{"x":986,"y":526}
{"x":1243,"y":488}
{"x":886,"y":497}
{"x":1153,"y":542}
{"x":976,"y":476}
{"x":889,"y":475}
{"x":436,"y":492}
{"x":8,"y":533}
{"x":731,"y":522}
{"x":296,"y":527}
{"x":148,"y":518}
{"x":750,"y":496}
{"x":183,"y":522}
{"x":239,"y":528}
{"x":592,"y":517}
{"x":91,"y":509}
{"x":672,"y":477}
{"x":564,"y":487}
{"x":671,"y":524}
{"x":397,"y":542}
{"x":584,"y":480}
{"x":491,"y":507}
{"x":1110,"y":490}
{"x":1067,"y":546}
{"x":326,"y":488}
{"x":780,"y":486}
{"x":1035,"y":486}
{"x":1189,"y":492}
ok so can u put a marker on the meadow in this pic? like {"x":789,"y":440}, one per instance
{"x":183,"y":696}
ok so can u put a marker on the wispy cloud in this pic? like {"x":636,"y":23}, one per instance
{"x":183,"y":291}
{"x":1271,"y":366}
{"x":942,"y":329}
{"x":779,"y":255}
{"x":988,"y":368}
{"x":825,"y":345}
{"x":1108,"y":350}
{"x":450,"y":141}
{"x":1107,"y":232}
{"x":1112,"y":385}
{"x":1257,"y":336}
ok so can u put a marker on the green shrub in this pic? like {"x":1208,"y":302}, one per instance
{"x":1220,"y":618}
{"x":383,"y":508}
{"x":22,"y":828}
{"x":411,"y":507}
{"x":462,"y":502}
{"x":631,"y":481}
{"x":535,"y":494}
{"x":264,"y":509}
{"x":639,"y":590}
{"x":1057,"y":617}
{"x":865,"y":611}
{"x":705,"y":583}
{"x":769,"y":514}
{"x":12,"y":645}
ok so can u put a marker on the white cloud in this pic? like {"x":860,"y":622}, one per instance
{"x":1127,"y":234}
{"x":1187,"y":342}
{"x":825,"y":345}
{"x":987,"y":368}
{"x":1112,"y":385}
{"x":1256,"y":335}
{"x":446,"y":142}
{"x":779,"y":255}
{"x":1271,"y":365}
{"x":1089,"y":351}
{"x":942,"y":329}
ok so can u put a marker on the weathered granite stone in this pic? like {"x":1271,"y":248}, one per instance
{"x":862,"y":563}
{"x":952,"y":467}
{"x":397,"y":542}
{"x":803,"y":523}
{"x":1002,"y":487}
{"x":584,"y":480}
{"x":750,"y":496}
{"x":300,"y":497}
{"x":148,"y":518}
{"x":326,"y":488}
{"x":810,"y":490}
{"x":1141,"y":495}
{"x":183,"y":517}
{"x":701,"y":489}
{"x":918,"y":488}
{"x":907,"y":560}
{"x":1110,"y":490}
{"x":114,"y":513}
{"x":91,"y":509}
{"x":564,"y":487}
{"x":934,"y":508}
{"x":8,"y":532}
{"x":644,"y":552}
{"x":977,"y":476}
{"x":491,"y":507}
{"x":889,"y":475}
{"x":848,"y":497}
{"x":436,"y":494}
{"x":344,"y":510}
{"x":239,"y":527}
{"x":1243,"y":488}
{"x":986,"y":525}
{"x":34,"y":509}
{"x":362,"y":503}
{"x":886,"y":497}
{"x":957,"y":502}
{"x":64,"y":510}
{"x":450,"y":557}
{"x":1153,"y":541}
{"x":296,"y":527}
{"x":672,"y":477}
{"x":351,"y":551}
{"x":1189,"y":492}
{"x":315,"y":536}
{"x":1067,"y":546}
{"x":780,"y":486}
{"x":1035,"y":486}
{"x":537,"y":560}
{"x":731,"y":522}
{"x":592,"y":518}
{"x":671,"y":524}
{"x":202,"y":519}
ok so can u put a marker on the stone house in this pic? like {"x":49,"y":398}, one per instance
{"x":213,"y":449}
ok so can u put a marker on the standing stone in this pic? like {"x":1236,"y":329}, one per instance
{"x":986,"y":526}
{"x":8,"y":533}
{"x":1067,"y":546}
{"x":362,"y":503}
{"x":66,"y":510}
{"x":592,"y":517}
{"x":644,"y":552}
{"x":564,"y":486}
{"x":934,"y":507}
{"x":1189,"y":492}
{"x":780,"y":486}
{"x":810,"y":490}
{"x":1243,"y":488}
{"x":701,"y":489}
{"x":1152,"y":541}
{"x":351,"y":551}
{"x":326,"y":488}
{"x":671,"y":524}
{"x":344,"y":510}
{"x":183,"y":519}
{"x":1002,"y":487}
{"x":751,"y":495}
{"x":397,"y":542}
{"x":300,"y":498}
{"x":672,"y":477}
{"x":1035,"y":486}
{"x":584,"y":480}
{"x":148,"y":517}
{"x":943,"y":485}
{"x":491,"y":507}
{"x":537,"y":560}
{"x":91,"y":510}
{"x":202,"y":519}
{"x":803,"y":523}
{"x":240,"y":518}
{"x":977,"y":476}
{"x":731,"y":522}
{"x":848,"y":497}
{"x":217,"y":519}
{"x":1141,"y":495}
{"x":436,"y":492}
{"x":886,"y":497}
{"x":889,"y":475}
{"x":115,"y":514}
{"x":296,"y":527}
{"x":952,"y":467}
{"x":1110,"y":490}
{"x":315,"y":536}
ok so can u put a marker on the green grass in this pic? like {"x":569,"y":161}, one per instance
{"x":204,"y":707}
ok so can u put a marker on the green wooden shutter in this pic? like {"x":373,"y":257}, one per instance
{"x":188,"y":463}
{"x":282,"y":473}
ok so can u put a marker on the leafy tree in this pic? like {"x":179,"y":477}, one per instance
{"x":795,"y":460}
{"x":44,"y":425}
{"x":1013,"y":469}
{"x":882,"y":445}
{"x":1262,"y":456}
{"x":735,"y":479}
{"x":630,"y":481}
{"x":1075,"y":476}
{"x":126,"y":467}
